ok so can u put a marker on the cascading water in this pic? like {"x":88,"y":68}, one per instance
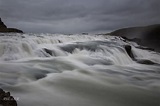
{"x":77,"y":70}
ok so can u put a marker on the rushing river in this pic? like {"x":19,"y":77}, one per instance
{"x":77,"y":70}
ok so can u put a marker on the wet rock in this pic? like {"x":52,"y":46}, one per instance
{"x":145,"y":48}
{"x":128,"y":49}
{"x":144,"y":61}
{"x":137,"y":40}
{"x":48,"y":51}
{"x":6,"y":99}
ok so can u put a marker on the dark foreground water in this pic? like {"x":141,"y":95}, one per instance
{"x":77,"y":70}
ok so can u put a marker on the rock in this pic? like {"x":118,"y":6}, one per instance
{"x":84,"y":33}
{"x":48,"y":51}
{"x":134,"y":39}
{"x":6,"y":99}
{"x":4,"y":29}
{"x":2,"y":25}
{"x":144,"y":61}
{"x":10,"y":30}
{"x":145,"y":48}
{"x":148,"y":36}
{"x":128,"y":49}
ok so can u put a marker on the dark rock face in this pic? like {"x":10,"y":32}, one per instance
{"x":6,"y":99}
{"x":48,"y":51}
{"x":148,"y":36}
{"x":2,"y":25}
{"x":147,"y":62}
{"x":128,"y":49}
{"x":4,"y":29}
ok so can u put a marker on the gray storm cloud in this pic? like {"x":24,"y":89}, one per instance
{"x":77,"y":16}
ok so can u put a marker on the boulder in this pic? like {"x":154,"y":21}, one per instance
{"x":6,"y":99}
{"x":48,"y":51}
{"x":128,"y":49}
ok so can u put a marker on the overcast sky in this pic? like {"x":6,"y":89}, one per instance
{"x":77,"y":16}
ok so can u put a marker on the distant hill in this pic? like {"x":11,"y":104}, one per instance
{"x":146,"y":35}
{"x":4,"y":29}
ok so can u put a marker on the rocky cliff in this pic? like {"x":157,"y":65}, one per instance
{"x":148,"y":36}
{"x":4,"y":29}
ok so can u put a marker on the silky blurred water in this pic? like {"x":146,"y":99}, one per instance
{"x":77,"y":70}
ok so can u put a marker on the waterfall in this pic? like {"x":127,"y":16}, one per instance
{"x":78,"y":70}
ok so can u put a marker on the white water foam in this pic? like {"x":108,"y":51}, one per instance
{"x":77,"y":70}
